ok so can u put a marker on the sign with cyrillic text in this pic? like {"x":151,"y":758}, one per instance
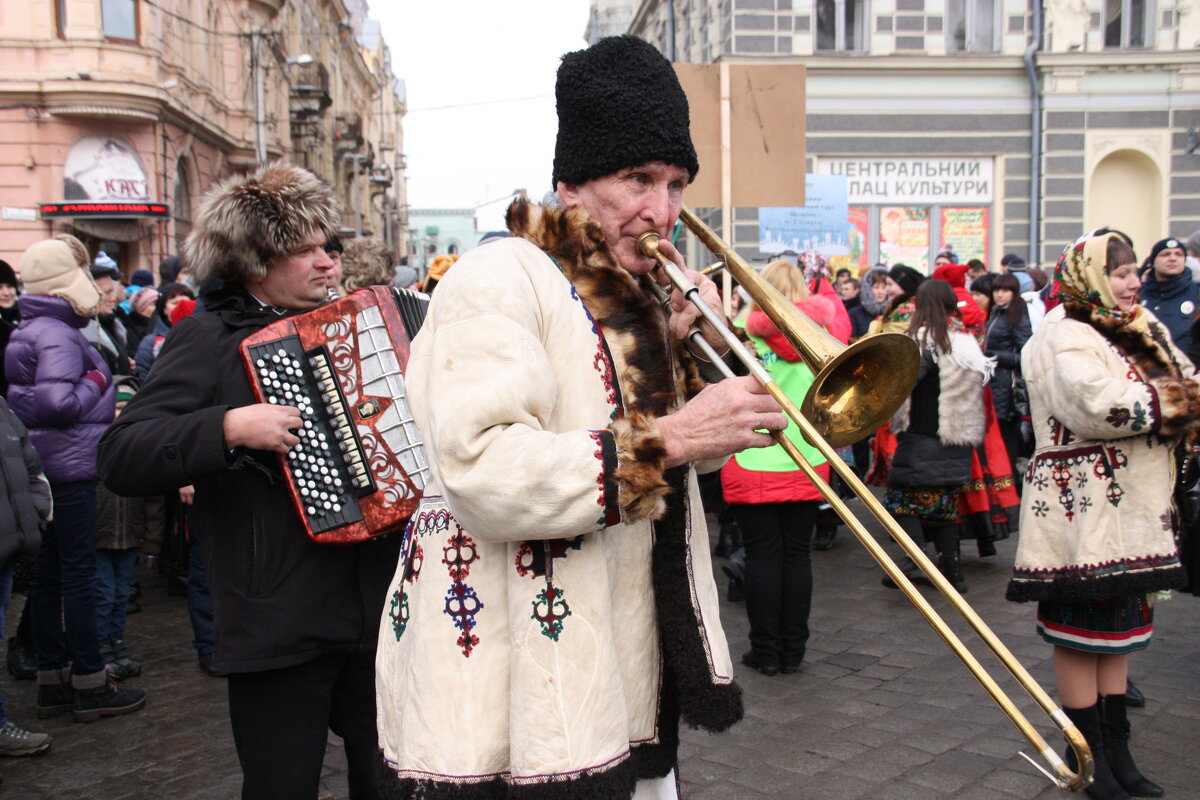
{"x":913,"y":180}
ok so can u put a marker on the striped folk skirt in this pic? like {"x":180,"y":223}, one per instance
{"x":1108,"y":627}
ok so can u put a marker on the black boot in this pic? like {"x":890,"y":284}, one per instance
{"x":945,"y":541}
{"x":22,"y":664}
{"x":827,"y":525}
{"x":726,"y":540}
{"x":1104,"y":786}
{"x":1133,"y":695}
{"x":911,"y":571}
{"x":735,"y":568}
{"x":1115,"y":724}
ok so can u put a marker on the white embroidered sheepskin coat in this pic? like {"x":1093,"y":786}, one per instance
{"x":1096,"y":509}
{"x":521,"y":655}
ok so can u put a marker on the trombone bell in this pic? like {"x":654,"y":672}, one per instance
{"x":857,"y":388}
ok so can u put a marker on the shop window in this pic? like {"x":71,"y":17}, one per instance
{"x":840,"y":25}
{"x":904,"y":236}
{"x":1127,"y":23}
{"x":971,"y":26}
{"x":120,"y":19}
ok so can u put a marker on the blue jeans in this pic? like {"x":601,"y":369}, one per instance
{"x":200,"y":607}
{"x":114,"y":589}
{"x":5,"y":595}
{"x":63,"y":594}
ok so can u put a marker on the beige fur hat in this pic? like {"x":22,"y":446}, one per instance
{"x":51,"y":267}
{"x":247,"y":221}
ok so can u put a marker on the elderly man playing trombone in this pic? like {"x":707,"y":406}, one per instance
{"x":554,"y":616}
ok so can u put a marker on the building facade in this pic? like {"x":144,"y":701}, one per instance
{"x":991,"y":126}
{"x":117,"y":116}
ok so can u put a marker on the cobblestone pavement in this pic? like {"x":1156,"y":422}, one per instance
{"x":881,"y":709}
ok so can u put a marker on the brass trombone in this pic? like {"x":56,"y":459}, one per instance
{"x":856,"y":389}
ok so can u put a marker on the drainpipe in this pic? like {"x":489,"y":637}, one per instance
{"x":671,"y":30}
{"x":260,"y":101}
{"x":1035,"y":143}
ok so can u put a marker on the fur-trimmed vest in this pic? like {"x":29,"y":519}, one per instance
{"x":1108,"y":408}
{"x":961,"y":374}
{"x":554,"y":613}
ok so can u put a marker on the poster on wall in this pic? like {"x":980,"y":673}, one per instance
{"x":904,"y":236}
{"x":820,"y":224}
{"x":104,"y":168}
{"x":859,"y":231}
{"x":965,"y":231}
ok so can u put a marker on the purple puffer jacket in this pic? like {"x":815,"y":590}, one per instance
{"x":46,"y":360}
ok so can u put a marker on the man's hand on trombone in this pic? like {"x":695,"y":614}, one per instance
{"x":684,"y":314}
{"x":724,"y":418}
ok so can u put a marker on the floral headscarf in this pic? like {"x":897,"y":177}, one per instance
{"x":1083,"y":281}
{"x":1083,"y":285}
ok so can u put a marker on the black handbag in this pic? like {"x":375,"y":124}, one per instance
{"x":922,"y":460}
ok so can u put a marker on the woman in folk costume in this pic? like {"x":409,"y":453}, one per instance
{"x":774,"y":503}
{"x":937,"y":427}
{"x":1111,"y":398}
{"x":902,"y":282}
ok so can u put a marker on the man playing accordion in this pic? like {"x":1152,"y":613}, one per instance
{"x":554,"y":615}
{"x":295,"y":621}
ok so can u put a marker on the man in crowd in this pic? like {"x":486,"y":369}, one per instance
{"x":1169,"y":291}
{"x":295,"y":622}
{"x":562,"y":415}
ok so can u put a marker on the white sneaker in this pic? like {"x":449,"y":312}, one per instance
{"x":16,"y":741}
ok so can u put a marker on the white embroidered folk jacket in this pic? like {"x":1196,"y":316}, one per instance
{"x":1096,"y":516}
{"x":544,"y":635}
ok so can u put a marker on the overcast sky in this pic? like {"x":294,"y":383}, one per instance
{"x":480,"y":81}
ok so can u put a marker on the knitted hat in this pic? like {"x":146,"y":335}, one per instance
{"x":7,"y":276}
{"x":1193,"y":243}
{"x":142,"y":277}
{"x":106,"y":268}
{"x":1016,"y":264}
{"x":1163,"y":244}
{"x":50,"y":267}
{"x":949,"y":255}
{"x":619,"y":105}
{"x":908,"y":278}
{"x":143,"y":300}
{"x":103,"y":259}
{"x":983,"y":284}
{"x":953,"y":274}
{"x":168,"y":268}
{"x":247,"y":221}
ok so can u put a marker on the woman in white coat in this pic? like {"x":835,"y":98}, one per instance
{"x":1111,"y":398}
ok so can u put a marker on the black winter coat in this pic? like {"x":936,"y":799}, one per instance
{"x":278,"y":599}
{"x":1005,"y":341}
{"x":24,"y":491}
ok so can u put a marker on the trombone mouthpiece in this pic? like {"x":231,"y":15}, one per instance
{"x":647,"y":244}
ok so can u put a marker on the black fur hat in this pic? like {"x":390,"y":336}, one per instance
{"x":247,"y":221}
{"x":619,"y":105}
{"x":908,"y":278}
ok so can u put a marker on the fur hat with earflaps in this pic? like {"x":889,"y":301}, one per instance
{"x":52,"y":267}
{"x":619,"y":105}
{"x":247,"y":221}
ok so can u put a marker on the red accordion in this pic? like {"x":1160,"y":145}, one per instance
{"x":359,"y":469}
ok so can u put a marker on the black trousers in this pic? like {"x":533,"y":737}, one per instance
{"x":281,"y":719}
{"x":778,"y":582}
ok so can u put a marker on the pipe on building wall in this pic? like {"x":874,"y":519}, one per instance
{"x":671,"y":29}
{"x":1035,"y":141}
{"x":260,"y":101}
